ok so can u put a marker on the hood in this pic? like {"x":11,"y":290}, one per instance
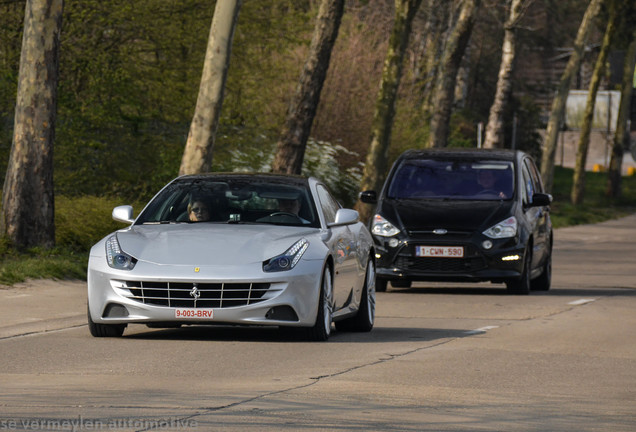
{"x":458,"y":215}
{"x":208,"y":244}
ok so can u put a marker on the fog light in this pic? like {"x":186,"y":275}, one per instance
{"x":486,"y":244}
{"x":511,"y":258}
{"x":394,"y":242}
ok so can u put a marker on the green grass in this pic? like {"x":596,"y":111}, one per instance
{"x":82,"y":221}
{"x":596,"y":206}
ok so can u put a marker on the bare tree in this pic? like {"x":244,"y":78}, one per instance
{"x":578,"y":181}
{"x":558,"y":104}
{"x":495,"y":127}
{"x":438,"y":11}
{"x":27,"y":195}
{"x":197,"y":156}
{"x":621,"y":138}
{"x":290,"y":150}
{"x":376,"y":162}
{"x":447,"y":73}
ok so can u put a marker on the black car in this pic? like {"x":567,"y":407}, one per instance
{"x":463,"y":215}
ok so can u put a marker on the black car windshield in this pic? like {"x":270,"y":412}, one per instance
{"x":453,"y":179}
{"x":233,"y":199}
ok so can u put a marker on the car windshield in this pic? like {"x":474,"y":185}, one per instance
{"x":233,"y":199}
{"x":453,"y":179}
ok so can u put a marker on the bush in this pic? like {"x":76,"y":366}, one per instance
{"x":82,"y":221}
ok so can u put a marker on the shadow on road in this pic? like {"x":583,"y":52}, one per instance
{"x":462,"y":289}
{"x":223,"y":333}
{"x":500,"y":290}
{"x":592,"y":292}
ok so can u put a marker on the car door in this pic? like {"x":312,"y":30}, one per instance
{"x":343,"y":248}
{"x":539,"y":216}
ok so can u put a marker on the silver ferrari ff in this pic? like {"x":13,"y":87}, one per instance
{"x":245,"y":249}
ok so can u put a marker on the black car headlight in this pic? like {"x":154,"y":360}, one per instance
{"x":504,"y":229}
{"x":383,"y":227}
{"x":117,"y":258}
{"x":288,"y":259}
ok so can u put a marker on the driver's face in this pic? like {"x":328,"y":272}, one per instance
{"x":199,"y":212}
{"x":486,"y":178}
{"x":289,"y":206}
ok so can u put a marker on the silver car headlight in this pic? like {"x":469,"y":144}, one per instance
{"x":504,"y":229}
{"x":383,"y":227}
{"x":288,"y":259}
{"x":117,"y":258}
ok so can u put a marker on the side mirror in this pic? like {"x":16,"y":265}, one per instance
{"x":123,"y":214}
{"x":369,"y":197}
{"x":345,"y":217}
{"x":541,"y":200}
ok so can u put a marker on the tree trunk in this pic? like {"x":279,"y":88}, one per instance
{"x":621,"y":138}
{"x":438,"y":18}
{"x":375,"y":167}
{"x":28,"y":217}
{"x":558,"y":104}
{"x":447,"y":74}
{"x":578,"y":182}
{"x":290,"y":149}
{"x":197,"y":156}
{"x":495,"y":127}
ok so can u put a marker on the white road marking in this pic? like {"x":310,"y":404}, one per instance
{"x":581,"y":302}
{"x":481,"y":330}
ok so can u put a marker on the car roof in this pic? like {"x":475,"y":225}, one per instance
{"x":461,"y":153}
{"x":290,"y":179}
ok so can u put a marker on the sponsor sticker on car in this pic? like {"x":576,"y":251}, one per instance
{"x":439,"y":251}
{"x":189,"y":313}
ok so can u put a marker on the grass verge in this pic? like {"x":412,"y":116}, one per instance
{"x":80,"y":222}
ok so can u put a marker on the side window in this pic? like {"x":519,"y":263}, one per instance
{"x":536,"y":177}
{"x":528,"y":187}
{"x":328,"y":204}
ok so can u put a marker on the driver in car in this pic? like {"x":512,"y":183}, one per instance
{"x":486,"y":179}
{"x":290,"y":206}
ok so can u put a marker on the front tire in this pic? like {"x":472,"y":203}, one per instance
{"x":521,"y":286}
{"x":381,"y":284}
{"x":321,"y":330}
{"x":104,"y":330}
{"x":365,"y":318}
{"x":543,"y":282}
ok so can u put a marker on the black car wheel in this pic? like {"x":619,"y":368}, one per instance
{"x":543,"y":282}
{"x":381,"y":284}
{"x":364,"y":319}
{"x":104,"y":330}
{"x":521,"y":286}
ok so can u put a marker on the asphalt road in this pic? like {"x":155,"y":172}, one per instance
{"x":442,"y":357}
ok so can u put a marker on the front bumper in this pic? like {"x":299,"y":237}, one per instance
{"x":152,"y":293}
{"x":502,"y":262}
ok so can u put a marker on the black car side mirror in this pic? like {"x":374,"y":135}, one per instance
{"x":541,"y":200}
{"x":369,"y":197}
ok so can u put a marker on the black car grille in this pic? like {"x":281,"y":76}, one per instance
{"x":471,"y":262}
{"x":440,"y":265}
{"x":210,"y":295}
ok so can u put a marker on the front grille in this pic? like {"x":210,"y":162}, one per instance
{"x":211,"y":295}
{"x":472,"y":261}
{"x":440,"y":265}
